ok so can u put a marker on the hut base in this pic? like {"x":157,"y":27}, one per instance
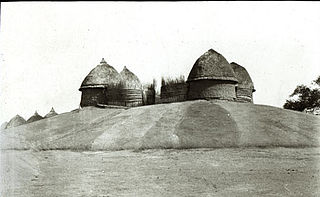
{"x":244,"y":95}
{"x":211,"y":89}
{"x":111,"y":96}
{"x":92,"y":96}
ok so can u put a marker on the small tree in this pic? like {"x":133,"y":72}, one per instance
{"x":304,"y":97}
{"x":317,"y":81}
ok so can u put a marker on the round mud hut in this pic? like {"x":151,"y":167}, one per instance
{"x":16,"y":121}
{"x":101,"y":86}
{"x":51,"y":113}
{"x":131,"y":89}
{"x":35,"y":117}
{"x":245,"y":87}
{"x":212,"y":77}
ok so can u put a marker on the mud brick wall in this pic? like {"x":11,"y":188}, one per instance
{"x":92,"y":96}
{"x":211,"y":89}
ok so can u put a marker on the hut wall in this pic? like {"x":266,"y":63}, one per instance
{"x":92,"y":96}
{"x":123,"y":97}
{"x":244,"y":95}
{"x":114,"y":96}
{"x":211,"y":89}
{"x":174,"y":93}
{"x":111,"y":96}
{"x":132,"y":97}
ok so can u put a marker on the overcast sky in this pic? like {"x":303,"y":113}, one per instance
{"x":48,"y":48}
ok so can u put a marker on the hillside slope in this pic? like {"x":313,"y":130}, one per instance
{"x":192,"y":124}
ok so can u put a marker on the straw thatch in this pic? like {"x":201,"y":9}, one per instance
{"x":212,"y":65}
{"x":35,"y":117}
{"x":102,"y":76}
{"x":244,"y":79}
{"x":245,"y":86}
{"x":132,"y":89}
{"x":169,"y":81}
{"x":3,"y":125}
{"x":16,"y":121}
{"x":51,"y":113}
{"x":130,"y":80}
{"x":211,"y":77}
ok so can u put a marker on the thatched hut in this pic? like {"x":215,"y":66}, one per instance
{"x":51,"y":113}
{"x":16,"y":121}
{"x":101,"y":86}
{"x":131,"y":90}
{"x":245,"y":86}
{"x":3,"y":126}
{"x":35,"y":117}
{"x":105,"y":86}
{"x":211,"y":77}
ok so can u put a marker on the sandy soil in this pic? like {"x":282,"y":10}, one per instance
{"x":171,"y":172}
{"x":191,"y":124}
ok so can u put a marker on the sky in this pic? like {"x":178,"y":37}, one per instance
{"x":47,"y":48}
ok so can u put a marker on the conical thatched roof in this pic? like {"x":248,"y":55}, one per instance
{"x":3,"y":125}
{"x":103,"y":75}
{"x":35,"y":117}
{"x":16,"y":121}
{"x":130,"y":80}
{"x":51,"y":113}
{"x":212,"y":65}
{"x":244,"y":79}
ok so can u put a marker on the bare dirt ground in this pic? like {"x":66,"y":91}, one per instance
{"x":191,"y":124}
{"x":170,"y":172}
{"x":217,"y":150}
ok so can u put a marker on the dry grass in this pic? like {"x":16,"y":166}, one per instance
{"x":171,"y":81}
{"x":150,"y":86}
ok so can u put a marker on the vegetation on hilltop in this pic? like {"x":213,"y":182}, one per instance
{"x":304,"y":97}
{"x":170,"y":81}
